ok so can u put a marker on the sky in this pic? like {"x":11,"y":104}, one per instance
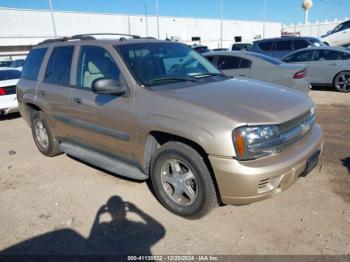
{"x":284,"y":11}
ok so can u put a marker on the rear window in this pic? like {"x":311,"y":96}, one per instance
{"x":33,"y":62}
{"x":9,"y":74}
{"x":267,"y":58}
{"x":266,"y":46}
{"x":59,"y":65}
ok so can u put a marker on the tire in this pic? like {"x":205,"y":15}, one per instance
{"x":43,"y":136}
{"x":339,"y":78}
{"x":193,"y":180}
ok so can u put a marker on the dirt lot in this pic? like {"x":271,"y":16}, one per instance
{"x":56,"y":205}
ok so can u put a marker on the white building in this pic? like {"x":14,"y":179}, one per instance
{"x":315,"y":29}
{"x":21,"y":27}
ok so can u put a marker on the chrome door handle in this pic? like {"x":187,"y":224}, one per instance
{"x":77,"y":101}
{"x":333,"y":64}
{"x":42,"y":93}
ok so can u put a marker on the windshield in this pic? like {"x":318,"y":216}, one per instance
{"x":266,"y":58}
{"x":160,"y":63}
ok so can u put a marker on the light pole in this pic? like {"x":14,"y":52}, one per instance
{"x":157,"y":8}
{"x":52,"y":19}
{"x":264,"y":24}
{"x":221,"y":21}
{"x":146,"y":18}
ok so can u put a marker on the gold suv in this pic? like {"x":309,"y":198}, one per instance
{"x":159,"y":111}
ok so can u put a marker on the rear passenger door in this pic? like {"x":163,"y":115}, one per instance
{"x":234,"y":66}
{"x":100,"y":121}
{"x":54,"y":90}
{"x":325,"y":65}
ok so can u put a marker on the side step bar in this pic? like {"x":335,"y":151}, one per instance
{"x":105,"y":162}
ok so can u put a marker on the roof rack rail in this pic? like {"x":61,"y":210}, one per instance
{"x":90,"y":36}
{"x":85,"y":37}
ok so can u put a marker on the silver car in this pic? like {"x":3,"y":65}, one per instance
{"x":328,"y":66}
{"x":241,"y":64}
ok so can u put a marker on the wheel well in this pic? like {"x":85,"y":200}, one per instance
{"x":156,"y":139}
{"x":30,"y":109}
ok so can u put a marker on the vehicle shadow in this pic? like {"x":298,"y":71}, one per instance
{"x":346,"y":163}
{"x":10,"y":116}
{"x":117,"y":236}
{"x":323,"y":88}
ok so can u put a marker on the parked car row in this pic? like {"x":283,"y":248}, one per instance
{"x":17,"y":63}
{"x":8,"y":81}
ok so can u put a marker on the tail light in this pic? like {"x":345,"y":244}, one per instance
{"x":2,"y":91}
{"x":300,"y":74}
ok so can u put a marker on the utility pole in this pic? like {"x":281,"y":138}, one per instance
{"x":157,"y":7}
{"x":52,"y":19}
{"x":221,"y":21}
{"x":146,"y":18}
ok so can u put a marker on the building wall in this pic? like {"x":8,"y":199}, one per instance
{"x":316,"y":29}
{"x":28,"y":27}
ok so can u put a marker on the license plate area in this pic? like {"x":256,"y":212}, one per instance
{"x":311,"y":163}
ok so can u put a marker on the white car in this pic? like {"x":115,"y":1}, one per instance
{"x":329,"y":66}
{"x":8,"y":81}
{"x":339,"y":36}
{"x":242,"y":64}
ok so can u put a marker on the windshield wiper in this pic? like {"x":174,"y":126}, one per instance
{"x":210,"y":74}
{"x":173,"y":78}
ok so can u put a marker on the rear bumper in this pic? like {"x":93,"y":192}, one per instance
{"x":8,"y":104}
{"x":250,"y":181}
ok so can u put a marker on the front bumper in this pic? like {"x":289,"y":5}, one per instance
{"x":8,"y":104}
{"x":244,"y":182}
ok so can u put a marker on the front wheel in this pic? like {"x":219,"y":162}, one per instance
{"x":341,"y":82}
{"x":182,"y":181}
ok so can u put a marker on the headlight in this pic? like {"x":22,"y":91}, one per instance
{"x":253,"y":142}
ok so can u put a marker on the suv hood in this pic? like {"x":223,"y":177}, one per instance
{"x":245,"y":101}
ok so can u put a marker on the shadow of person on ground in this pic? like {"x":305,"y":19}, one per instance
{"x":119,"y":235}
{"x":346,"y":163}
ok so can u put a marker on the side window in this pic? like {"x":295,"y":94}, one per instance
{"x":283,"y":45}
{"x":300,"y":44}
{"x":59,"y":66}
{"x":326,"y":55}
{"x":211,"y":59}
{"x":245,"y":63}
{"x":266,"y":46}
{"x":345,"y":56}
{"x":32,"y":64}
{"x":228,"y":62}
{"x":95,"y":63}
{"x":302,"y":56}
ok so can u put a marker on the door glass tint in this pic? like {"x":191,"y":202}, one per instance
{"x":326,"y":55}
{"x":210,"y":58}
{"x":300,"y":44}
{"x":59,"y":66}
{"x":228,"y":62}
{"x":245,"y":63}
{"x":95,"y":63}
{"x":283,"y":45}
{"x":32,"y":64}
{"x":302,"y":56}
{"x":345,"y":56}
{"x":266,"y":46}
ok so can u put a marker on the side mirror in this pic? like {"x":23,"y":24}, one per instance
{"x":107,"y":86}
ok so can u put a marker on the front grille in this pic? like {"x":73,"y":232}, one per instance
{"x":285,"y":127}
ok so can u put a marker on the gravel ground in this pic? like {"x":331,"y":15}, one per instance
{"x":60,"y":205}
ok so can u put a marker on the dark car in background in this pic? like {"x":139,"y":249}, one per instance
{"x":280,"y":47}
{"x":241,"y":47}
